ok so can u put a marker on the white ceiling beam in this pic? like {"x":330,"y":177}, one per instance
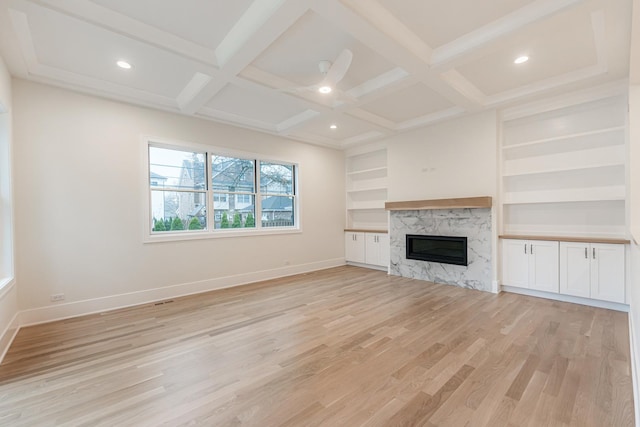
{"x":545,"y":85}
{"x":383,"y":80}
{"x":249,"y":23}
{"x":235,"y":119}
{"x":296,"y":121}
{"x":256,"y":33}
{"x":351,"y":22}
{"x":464,"y":86}
{"x":192,"y":89}
{"x":255,"y":78}
{"x":372,"y":118}
{"x":364,"y":137}
{"x":430,"y":119}
{"x":502,"y":27}
{"x":386,"y":22}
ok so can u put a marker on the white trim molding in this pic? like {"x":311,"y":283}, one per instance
{"x":568,"y":298}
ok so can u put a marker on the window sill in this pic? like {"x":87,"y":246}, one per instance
{"x":6,"y":284}
{"x":160,"y":238}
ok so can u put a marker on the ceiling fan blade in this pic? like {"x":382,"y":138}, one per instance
{"x":339,"y":68}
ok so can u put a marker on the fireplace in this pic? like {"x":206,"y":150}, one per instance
{"x":442,"y":249}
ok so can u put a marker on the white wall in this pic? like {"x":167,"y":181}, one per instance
{"x":457,"y":158}
{"x":8,"y":291}
{"x":79,"y":221}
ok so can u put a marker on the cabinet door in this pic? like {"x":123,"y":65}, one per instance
{"x":543,"y":266}
{"x":575,"y":276}
{"x":607,"y":272}
{"x":515,"y":263}
{"x":371,"y":249}
{"x":354,"y":247}
{"x":377,"y":249}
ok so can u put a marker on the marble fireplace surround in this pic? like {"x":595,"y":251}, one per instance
{"x":468,"y":217}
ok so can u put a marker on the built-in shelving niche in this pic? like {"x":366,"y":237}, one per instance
{"x":366,"y":173}
{"x":563,"y":171}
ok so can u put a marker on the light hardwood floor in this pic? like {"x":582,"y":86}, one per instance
{"x":339,"y":347}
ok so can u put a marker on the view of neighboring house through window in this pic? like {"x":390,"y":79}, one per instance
{"x":180,"y":191}
{"x":233,"y":182}
{"x":277,"y":190}
{"x":177,"y":180}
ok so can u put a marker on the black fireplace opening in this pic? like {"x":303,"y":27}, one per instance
{"x":444,"y":249}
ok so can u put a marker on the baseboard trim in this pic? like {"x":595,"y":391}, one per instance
{"x":9,"y":334}
{"x":11,"y":330}
{"x":51,"y":313}
{"x":568,"y":298}
{"x":371,"y":266}
{"x":634,"y":367}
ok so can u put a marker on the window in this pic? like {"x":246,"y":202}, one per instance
{"x":205,"y":193}
{"x":243,"y":199}
{"x":177,"y":180}
{"x":277,"y":189}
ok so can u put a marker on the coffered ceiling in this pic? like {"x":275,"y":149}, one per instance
{"x":250,"y":63}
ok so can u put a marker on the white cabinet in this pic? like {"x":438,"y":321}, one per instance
{"x":531,"y":264}
{"x":592,"y":270}
{"x":354,"y":247}
{"x":367,"y":248}
{"x":377,"y":249}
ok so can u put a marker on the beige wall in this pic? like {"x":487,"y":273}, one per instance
{"x":79,"y":218}
{"x":8,"y":291}
{"x":457,"y":158}
{"x":633,"y":288}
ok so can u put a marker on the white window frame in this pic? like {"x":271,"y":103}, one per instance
{"x":212,"y":233}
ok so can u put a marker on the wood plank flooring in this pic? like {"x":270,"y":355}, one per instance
{"x":340,"y":347}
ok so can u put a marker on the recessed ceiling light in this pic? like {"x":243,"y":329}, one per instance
{"x":333,"y":127}
{"x":124,"y":64}
{"x":324,"y":89}
{"x":521,"y":59}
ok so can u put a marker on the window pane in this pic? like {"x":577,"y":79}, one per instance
{"x":176,"y":169}
{"x":232,"y":174}
{"x":233,"y":213}
{"x":276,"y":178}
{"x":176,"y":211}
{"x":277,"y":211}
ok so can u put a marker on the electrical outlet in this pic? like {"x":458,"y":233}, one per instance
{"x":57,"y":297}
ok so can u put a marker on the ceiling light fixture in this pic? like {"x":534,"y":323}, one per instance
{"x":325,"y":89}
{"x":521,"y":59}
{"x":333,"y":127}
{"x":124,"y":64}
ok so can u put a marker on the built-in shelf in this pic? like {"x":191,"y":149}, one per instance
{"x":367,"y":171}
{"x":563,"y":171}
{"x":566,"y":195}
{"x":613,"y":240}
{"x":585,"y":159}
{"x":564,"y":137}
{"x":457,"y":203}
{"x":366,"y":189}
{"x":364,"y":205}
